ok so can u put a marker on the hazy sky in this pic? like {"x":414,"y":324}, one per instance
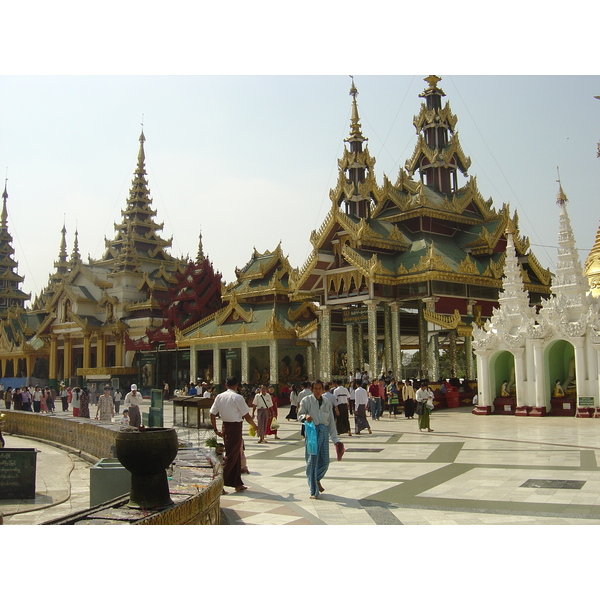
{"x":244,"y":130}
{"x":249,"y":160}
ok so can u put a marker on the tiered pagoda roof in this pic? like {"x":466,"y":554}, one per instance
{"x":10,"y":280}
{"x":137,"y":243}
{"x":257,"y":305}
{"x":414,"y":233}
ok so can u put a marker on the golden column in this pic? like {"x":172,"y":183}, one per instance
{"x":67,"y":361}
{"x":30,"y":360}
{"x":87,"y":350}
{"x":119,"y":349}
{"x":53,"y":360}
{"x":100,"y":350}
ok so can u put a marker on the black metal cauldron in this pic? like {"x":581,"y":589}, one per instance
{"x":146,"y":454}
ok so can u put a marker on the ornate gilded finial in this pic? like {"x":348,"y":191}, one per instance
{"x":4,"y":216}
{"x":561,"y":197}
{"x":141,"y":153}
{"x":355,"y":132}
{"x":200,"y":256}
{"x":432,"y":81}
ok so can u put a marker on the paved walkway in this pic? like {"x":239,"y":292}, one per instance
{"x":470,"y":470}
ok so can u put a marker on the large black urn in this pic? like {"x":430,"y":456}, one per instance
{"x":146,"y":454}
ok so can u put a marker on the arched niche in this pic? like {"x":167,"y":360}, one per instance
{"x":502,"y":368}
{"x":559,"y":363}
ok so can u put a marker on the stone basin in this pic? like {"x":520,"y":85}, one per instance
{"x":146,"y":454}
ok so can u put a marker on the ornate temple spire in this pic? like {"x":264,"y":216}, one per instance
{"x":4,"y":216}
{"x":139,"y":216}
{"x":355,"y":168}
{"x":75,"y":255}
{"x":200,"y":256}
{"x":62,"y":266}
{"x":127,"y":259}
{"x":438,"y":154}
{"x":569,"y":280}
{"x":10,"y":294}
{"x":355,"y":132}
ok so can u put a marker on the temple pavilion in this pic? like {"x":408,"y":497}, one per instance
{"x":410,"y":264}
{"x":261,"y":334}
{"x":78,"y":327}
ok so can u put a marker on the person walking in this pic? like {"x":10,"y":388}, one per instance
{"x":18,"y":399}
{"x":262,"y":404}
{"x":408,"y":396}
{"x":84,"y":404}
{"x":117,"y":400}
{"x":423,"y":396}
{"x":26,"y":399}
{"x":361,"y":399}
{"x":66,"y":397}
{"x":341,"y":395}
{"x":133,"y":401}
{"x":36,"y":398}
{"x":105,"y":410}
{"x":294,"y":401}
{"x":318,"y":409}
{"x":274,"y":414}
{"x":375,"y":400}
{"x":392,"y":394}
{"x":75,"y":400}
{"x":8,"y":397}
{"x":233,"y":410}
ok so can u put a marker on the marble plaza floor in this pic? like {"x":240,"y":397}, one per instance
{"x":472,"y":470}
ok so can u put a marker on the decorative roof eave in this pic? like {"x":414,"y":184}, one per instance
{"x":473,"y":195}
{"x":368,"y":268}
{"x":233,"y":307}
{"x":306,"y":269}
{"x":436,"y":155}
{"x":294,"y":315}
{"x":444,"y":321}
{"x":150,"y":303}
{"x":429,"y":116}
{"x":309,"y":328}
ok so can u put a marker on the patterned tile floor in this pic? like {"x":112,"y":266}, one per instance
{"x":470,"y":470}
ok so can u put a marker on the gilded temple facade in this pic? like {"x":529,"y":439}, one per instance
{"x":260,"y":333}
{"x":414,"y":264}
{"x":410,"y":264}
{"x":78,"y":326}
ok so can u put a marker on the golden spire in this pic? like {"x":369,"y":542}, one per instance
{"x":355,"y":132}
{"x":4,"y":216}
{"x":561,"y":197}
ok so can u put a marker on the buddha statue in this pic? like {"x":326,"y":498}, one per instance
{"x":558,"y":391}
{"x":504,"y":389}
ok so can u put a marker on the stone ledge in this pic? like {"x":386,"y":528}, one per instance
{"x":195,"y":486}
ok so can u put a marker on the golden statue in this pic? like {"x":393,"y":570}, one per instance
{"x":504,"y":389}
{"x":558,"y":390}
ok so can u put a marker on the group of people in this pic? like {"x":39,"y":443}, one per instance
{"x":30,"y":398}
{"x":42,"y":400}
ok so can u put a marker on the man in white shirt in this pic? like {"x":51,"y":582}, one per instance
{"x":342,"y":421}
{"x":264,"y":404}
{"x":233,"y":410}
{"x":361,"y":400}
{"x":133,"y":401}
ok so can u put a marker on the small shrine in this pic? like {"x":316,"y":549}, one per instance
{"x":541,"y":362}
{"x":259,"y":334}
